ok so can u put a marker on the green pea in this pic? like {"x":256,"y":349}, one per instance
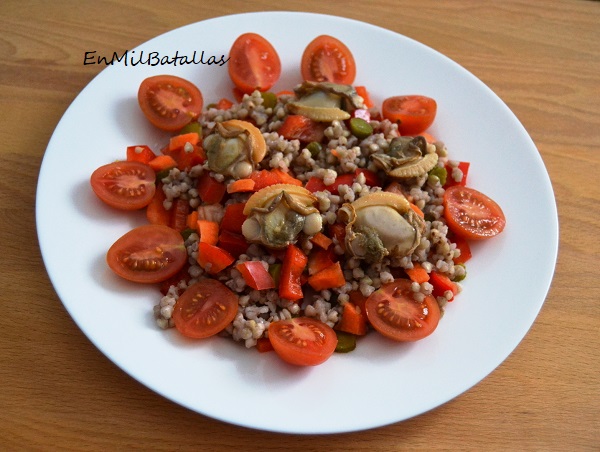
{"x":441,"y":173}
{"x":346,"y":342}
{"x":314,"y":148}
{"x":190,"y":128}
{"x":360,"y":128}
{"x":269,"y":99}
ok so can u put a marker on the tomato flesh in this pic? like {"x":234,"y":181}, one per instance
{"x":253,"y":64}
{"x":302,"y":341}
{"x":124,"y":185}
{"x":205,"y":309}
{"x":472,"y":214}
{"x":413,"y":113}
{"x":327,"y":59}
{"x":393,"y":312}
{"x":169,"y":102}
{"x":148,"y":254}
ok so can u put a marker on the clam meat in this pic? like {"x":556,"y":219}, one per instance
{"x":235,"y":148}
{"x":381,"y":224}
{"x":278,"y":214}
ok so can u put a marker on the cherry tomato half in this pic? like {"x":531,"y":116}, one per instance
{"x":253,"y":64}
{"x":413,"y":113}
{"x":327,"y":59}
{"x":148,"y":254}
{"x":205,"y":309}
{"x":393,"y":312}
{"x":302,"y":341}
{"x":471,"y":214}
{"x":124,"y":185}
{"x":169,"y":102}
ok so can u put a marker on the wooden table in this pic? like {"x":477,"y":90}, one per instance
{"x":541,"y":57}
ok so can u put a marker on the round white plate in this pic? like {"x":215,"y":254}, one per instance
{"x":379,"y":383}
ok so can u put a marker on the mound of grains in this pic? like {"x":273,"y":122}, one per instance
{"x":341,"y":153}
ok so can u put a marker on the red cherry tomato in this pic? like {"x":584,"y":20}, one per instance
{"x":471,"y":214}
{"x":302,"y":341}
{"x":124,"y":185}
{"x":413,"y":114}
{"x":205,"y":309}
{"x":253,"y":64}
{"x":393,"y":312}
{"x":327,"y":59}
{"x":169,"y":102}
{"x":148,"y":254}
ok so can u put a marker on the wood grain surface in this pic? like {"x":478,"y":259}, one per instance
{"x":58,"y":392}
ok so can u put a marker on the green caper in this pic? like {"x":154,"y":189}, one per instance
{"x":191,"y":128}
{"x":162,"y":174}
{"x":360,"y":128}
{"x":346,"y":342}
{"x":269,"y":99}
{"x":275,"y":272}
{"x":441,"y":173}
{"x":314,"y":148}
{"x":186,"y":233}
{"x":209,"y":106}
{"x":462,"y":276}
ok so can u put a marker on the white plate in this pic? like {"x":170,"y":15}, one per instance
{"x":379,"y":383}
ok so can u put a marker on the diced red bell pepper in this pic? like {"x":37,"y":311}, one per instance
{"x":319,"y":259}
{"x":364,"y":93}
{"x":264,"y":345}
{"x":234,"y":244}
{"x":186,"y":150}
{"x":315,"y":184}
{"x":224,"y":104}
{"x":298,"y":127}
{"x":338,"y":230}
{"x":155,"y":211}
{"x":181,"y":275}
{"x":264,"y":178}
{"x":328,"y":278}
{"x":179,"y":141}
{"x":141,"y":153}
{"x":290,"y":286}
{"x":212,"y":258}
{"x":465,"y":249}
{"x":464,"y":167}
{"x":371,"y":178}
{"x":286,"y":178}
{"x":441,"y":284}
{"x":359,"y":300}
{"x":234,"y":217}
{"x":256,"y":275}
{"x":321,"y":240}
{"x":352,"y":321}
{"x":179,"y":213}
{"x":210,"y":190}
{"x":208,"y":231}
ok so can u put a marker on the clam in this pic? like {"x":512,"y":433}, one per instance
{"x":407,"y":157}
{"x":381,"y":224}
{"x":234,"y":148}
{"x":276,"y":215}
{"x":325,"y":101}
